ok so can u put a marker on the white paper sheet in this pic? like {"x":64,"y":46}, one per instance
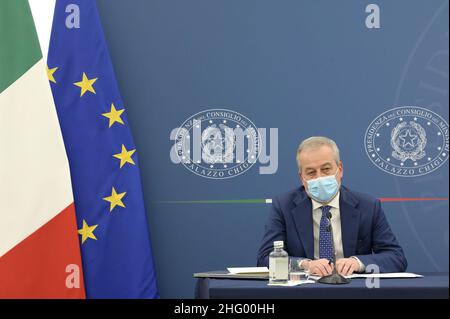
{"x":387,"y":275}
{"x":292,"y":283}
{"x":381,"y":275}
{"x":248,"y":270}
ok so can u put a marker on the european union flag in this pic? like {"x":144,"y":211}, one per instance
{"x":114,"y":238}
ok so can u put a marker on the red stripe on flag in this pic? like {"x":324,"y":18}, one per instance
{"x":42,"y":265}
{"x":410,"y":199}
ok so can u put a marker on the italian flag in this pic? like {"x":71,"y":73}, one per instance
{"x":39,"y":249}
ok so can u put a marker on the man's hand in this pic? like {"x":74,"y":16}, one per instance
{"x":319,"y":267}
{"x":347,"y":266}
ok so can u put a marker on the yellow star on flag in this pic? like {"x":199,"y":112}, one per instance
{"x":86,"y":84}
{"x":125,"y":156}
{"x":114,"y":115}
{"x":87,"y":232}
{"x":50,"y":73}
{"x":115,"y":199}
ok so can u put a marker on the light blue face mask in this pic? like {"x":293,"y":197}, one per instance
{"x":323,"y":189}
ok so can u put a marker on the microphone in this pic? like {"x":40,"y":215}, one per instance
{"x":334,"y":278}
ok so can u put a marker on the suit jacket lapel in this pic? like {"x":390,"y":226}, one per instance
{"x":302,"y":216}
{"x":349,"y":221}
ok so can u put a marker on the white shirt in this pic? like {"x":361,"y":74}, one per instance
{"x":335,"y":222}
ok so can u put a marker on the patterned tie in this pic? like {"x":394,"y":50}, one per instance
{"x":325,"y":241}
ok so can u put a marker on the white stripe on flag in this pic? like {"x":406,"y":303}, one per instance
{"x":34,"y":171}
{"x":43,"y":11}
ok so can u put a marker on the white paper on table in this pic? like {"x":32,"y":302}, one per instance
{"x":381,"y":275}
{"x":248,"y":270}
{"x":292,"y":283}
{"x":386,"y":275}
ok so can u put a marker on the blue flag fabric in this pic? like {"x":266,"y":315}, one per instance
{"x":111,"y":218}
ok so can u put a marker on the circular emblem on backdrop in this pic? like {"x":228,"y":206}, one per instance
{"x":407,"y":141}
{"x":217,"y":143}
{"x":424,"y":81}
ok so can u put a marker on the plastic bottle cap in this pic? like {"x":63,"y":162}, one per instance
{"x":278,"y":244}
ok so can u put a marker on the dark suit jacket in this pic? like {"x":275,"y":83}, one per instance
{"x":365,"y":231}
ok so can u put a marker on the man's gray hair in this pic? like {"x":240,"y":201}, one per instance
{"x":316,"y":142}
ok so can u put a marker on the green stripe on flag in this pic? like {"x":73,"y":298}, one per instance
{"x":19,"y":45}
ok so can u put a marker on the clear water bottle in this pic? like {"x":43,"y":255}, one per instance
{"x":278,"y":264}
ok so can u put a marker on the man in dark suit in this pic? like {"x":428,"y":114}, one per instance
{"x":300,"y":218}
